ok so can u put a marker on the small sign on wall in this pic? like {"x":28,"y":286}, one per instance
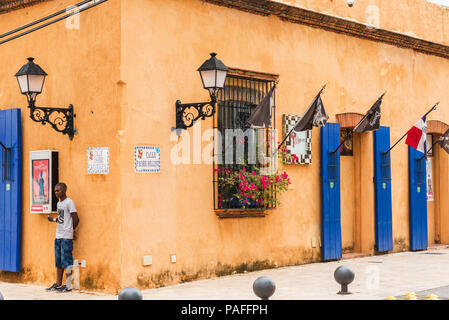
{"x":98,"y":160}
{"x":147,"y":159}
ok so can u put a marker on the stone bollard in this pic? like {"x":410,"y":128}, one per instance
{"x":344,"y":276}
{"x":264,"y":287}
{"x":130,"y":293}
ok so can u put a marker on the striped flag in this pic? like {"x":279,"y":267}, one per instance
{"x":416,"y":136}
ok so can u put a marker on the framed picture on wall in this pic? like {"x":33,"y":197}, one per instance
{"x":43,"y":178}
{"x":429,"y":143}
{"x":298,"y":146}
{"x":346,"y":148}
{"x":40,"y":190}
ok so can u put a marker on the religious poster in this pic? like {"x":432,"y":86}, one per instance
{"x":429,"y":179}
{"x":40,"y":186}
{"x":147,"y":159}
{"x":98,"y":160}
{"x":298,"y":146}
{"x":43,"y":177}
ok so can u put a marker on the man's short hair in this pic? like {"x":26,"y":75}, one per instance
{"x":62,"y":184}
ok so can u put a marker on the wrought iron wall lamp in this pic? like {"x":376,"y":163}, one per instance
{"x":31,"y":80}
{"x":213,"y":75}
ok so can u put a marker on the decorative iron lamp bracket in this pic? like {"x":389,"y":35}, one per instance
{"x":213,"y":75}
{"x":60,"y":119}
{"x":31,"y":78}
{"x":188,"y":113}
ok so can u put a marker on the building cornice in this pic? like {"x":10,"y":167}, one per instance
{"x":334,"y":24}
{"x":8,"y":5}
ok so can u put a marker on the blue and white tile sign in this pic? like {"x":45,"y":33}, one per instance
{"x":147,"y":159}
{"x":98,"y":160}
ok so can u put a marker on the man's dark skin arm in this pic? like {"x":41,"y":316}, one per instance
{"x":75,"y":220}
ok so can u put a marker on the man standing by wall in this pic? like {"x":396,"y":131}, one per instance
{"x":67,"y":221}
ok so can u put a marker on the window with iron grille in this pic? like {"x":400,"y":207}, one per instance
{"x":239,"y":97}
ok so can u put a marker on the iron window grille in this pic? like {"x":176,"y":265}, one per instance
{"x":235,"y":102}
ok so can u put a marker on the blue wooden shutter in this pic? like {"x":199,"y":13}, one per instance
{"x":418,"y":200}
{"x":382,"y":188}
{"x":330,"y":193}
{"x":10,"y":190}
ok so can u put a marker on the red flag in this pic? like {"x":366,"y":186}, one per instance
{"x":416,"y":136}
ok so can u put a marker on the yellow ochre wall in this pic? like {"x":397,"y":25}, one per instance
{"x":83,"y":67}
{"x":123,"y":71}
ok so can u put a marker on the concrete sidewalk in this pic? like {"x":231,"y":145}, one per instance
{"x":377,"y":277}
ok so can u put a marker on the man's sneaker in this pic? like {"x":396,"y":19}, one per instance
{"x":53,"y":287}
{"x":63,"y":289}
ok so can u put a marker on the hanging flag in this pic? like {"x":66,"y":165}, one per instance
{"x":261,"y":115}
{"x":371,"y":120}
{"x":416,"y":136}
{"x":444,"y":141}
{"x":315,"y":115}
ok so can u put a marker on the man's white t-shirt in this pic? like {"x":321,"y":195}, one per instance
{"x":64,"y":228}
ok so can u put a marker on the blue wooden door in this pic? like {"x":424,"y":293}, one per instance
{"x":330,"y":193}
{"x":10,"y":190}
{"x":417,"y":200}
{"x":382,"y":190}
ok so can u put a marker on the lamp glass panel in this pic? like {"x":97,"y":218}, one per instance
{"x":221,"y":77}
{"x":23,"y":83}
{"x":208,"y":77}
{"x":36,"y":83}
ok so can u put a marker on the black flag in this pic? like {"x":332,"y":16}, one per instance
{"x":315,"y":115}
{"x":444,"y":141}
{"x":371,"y":121}
{"x":261,"y":116}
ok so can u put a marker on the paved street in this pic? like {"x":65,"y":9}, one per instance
{"x":377,"y":277}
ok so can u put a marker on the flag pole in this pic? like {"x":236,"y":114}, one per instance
{"x":285,"y":139}
{"x":432,"y":109}
{"x":344,"y":140}
{"x":427,"y":153}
